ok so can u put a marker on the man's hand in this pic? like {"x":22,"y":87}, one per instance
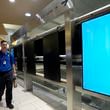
{"x":14,"y":74}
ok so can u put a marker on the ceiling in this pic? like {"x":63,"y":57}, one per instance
{"x":81,"y":7}
{"x":12,"y":14}
{"x":85,"y":6}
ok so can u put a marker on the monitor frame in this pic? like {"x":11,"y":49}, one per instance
{"x":93,"y":15}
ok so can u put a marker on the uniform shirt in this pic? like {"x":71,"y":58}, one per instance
{"x":6,"y":61}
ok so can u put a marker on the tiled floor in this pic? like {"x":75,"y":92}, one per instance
{"x":24,"y":100}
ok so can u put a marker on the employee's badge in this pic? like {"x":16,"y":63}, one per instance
{"x":4,"y":62}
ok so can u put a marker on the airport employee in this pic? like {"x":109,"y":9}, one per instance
{"x":7,"y":71}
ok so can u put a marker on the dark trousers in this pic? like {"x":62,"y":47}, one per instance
{"x":6,"y":82}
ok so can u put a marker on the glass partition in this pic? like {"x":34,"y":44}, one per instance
{"x":38,"y":45}
{"x":19,"y":60}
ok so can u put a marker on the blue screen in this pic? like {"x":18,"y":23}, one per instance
{"x":96,"y":54}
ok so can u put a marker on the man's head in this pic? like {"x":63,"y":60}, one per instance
{"x":4,"y":46}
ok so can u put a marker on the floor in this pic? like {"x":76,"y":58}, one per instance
{"x":24,"y":100}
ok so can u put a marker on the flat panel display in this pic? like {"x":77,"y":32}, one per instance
{"x":96,"y":54}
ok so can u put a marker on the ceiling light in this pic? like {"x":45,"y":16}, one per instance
{"x":70,"y":4}
{"x":12,"y":1}
{"x":39,"y":17}
{"x":28,"y":14}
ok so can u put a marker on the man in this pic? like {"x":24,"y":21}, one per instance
{"x":7,"y":71}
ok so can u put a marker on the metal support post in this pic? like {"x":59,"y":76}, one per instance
{"x":73,"y":97}
{"x":27,"y":78}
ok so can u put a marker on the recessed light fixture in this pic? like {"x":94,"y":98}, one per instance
{"x":28,"y":14}
{"x":12,"y":1}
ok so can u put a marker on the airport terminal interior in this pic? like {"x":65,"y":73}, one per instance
{"x":62,"y":53}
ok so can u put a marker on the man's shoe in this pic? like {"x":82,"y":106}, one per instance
{"x":11,"y":106}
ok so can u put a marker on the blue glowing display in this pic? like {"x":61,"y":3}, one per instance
{"x":96,"y":54}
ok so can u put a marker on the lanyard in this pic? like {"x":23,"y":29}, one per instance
{"x":3,"y":59}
